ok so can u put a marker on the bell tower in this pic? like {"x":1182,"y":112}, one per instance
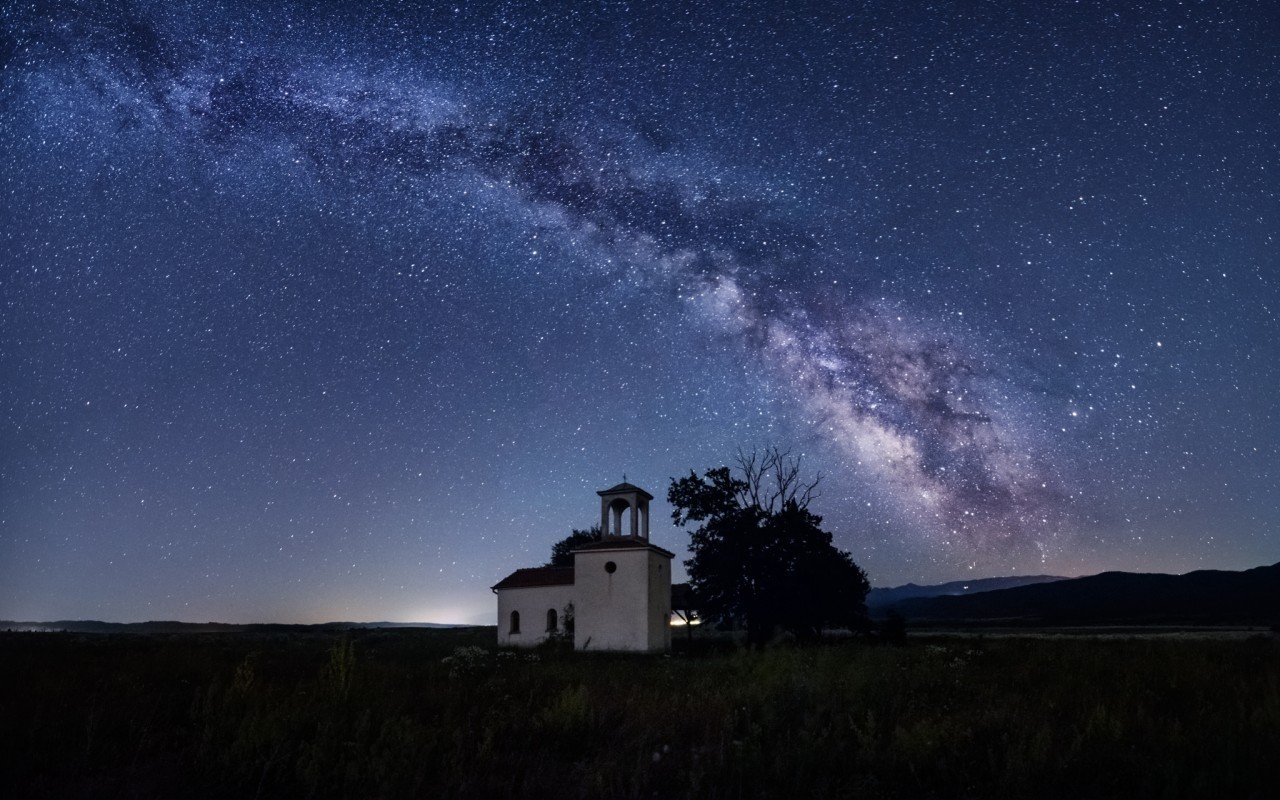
{"x":622,"y":583}
{"x":616,"y":500}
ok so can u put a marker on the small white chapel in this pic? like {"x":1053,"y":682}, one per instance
{"x":619,"y":588}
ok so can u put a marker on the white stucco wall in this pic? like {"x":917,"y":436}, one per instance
{"x":532,"y":602}
{"x":659,"y":602}
{"x":627,"y":609}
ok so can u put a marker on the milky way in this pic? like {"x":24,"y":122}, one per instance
{"x":410,"y":263}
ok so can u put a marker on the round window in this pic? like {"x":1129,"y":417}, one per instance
{"x":610,"y":567}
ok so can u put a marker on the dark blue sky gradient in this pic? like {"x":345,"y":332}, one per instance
{"x":344,"y":311}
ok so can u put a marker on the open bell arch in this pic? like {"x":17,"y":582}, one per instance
{"x":615,"y":503}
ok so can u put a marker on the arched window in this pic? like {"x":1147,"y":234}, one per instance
{"x":552,"y":620}
{"x":515,"y":622}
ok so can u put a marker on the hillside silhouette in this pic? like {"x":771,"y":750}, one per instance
{"x":881,"y":599}
{"x":1205,"y":597}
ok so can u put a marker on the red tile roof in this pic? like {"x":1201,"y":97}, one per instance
{"x":537,"y":576}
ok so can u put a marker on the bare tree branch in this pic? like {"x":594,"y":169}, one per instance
{"x":772,"y":480}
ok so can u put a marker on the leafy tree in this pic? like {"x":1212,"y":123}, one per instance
{"x":562,"y":551}
{"x":760,"y":555}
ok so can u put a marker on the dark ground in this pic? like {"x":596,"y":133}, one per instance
{"x":440,"y":713}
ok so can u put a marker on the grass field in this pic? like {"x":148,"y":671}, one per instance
{"x":439,"y":713}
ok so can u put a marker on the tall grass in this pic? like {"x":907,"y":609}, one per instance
{"x":439,"y":713}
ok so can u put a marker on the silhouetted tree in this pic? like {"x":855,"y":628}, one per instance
{"x":760,"y":555}
{"x":568,"y":617}
{"x":562,"y":551}
{"x":893,"y":629}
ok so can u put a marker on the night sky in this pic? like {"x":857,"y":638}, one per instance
{"x":344,"y":311}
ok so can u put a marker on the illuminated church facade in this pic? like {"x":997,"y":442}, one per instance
{"x":618,"y":589}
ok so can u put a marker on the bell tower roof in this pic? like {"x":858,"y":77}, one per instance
{"x":625,"y":488}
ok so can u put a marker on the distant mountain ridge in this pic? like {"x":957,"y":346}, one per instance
{"x":1204,"y":597}
{"x":882,"y":598}
{"x":173,"y":626}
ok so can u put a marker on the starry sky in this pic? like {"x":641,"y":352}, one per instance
{"x":343,"y":311}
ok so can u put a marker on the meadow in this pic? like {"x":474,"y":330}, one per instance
{"x":441,"y":713}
